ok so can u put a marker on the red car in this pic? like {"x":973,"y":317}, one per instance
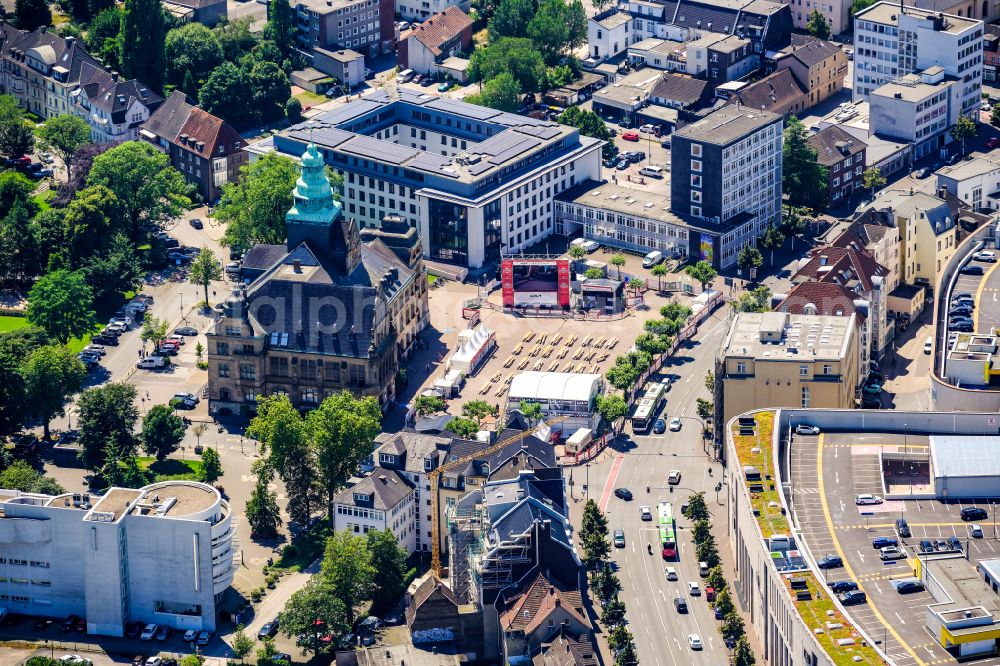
{"x":993,"y":143}
{"x":630,"y":136}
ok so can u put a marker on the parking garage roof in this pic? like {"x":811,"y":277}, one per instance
{"x":965,"y":455}
{"x":960,"y":581}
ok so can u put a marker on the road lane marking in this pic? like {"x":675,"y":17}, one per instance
{"x":847,"y":564}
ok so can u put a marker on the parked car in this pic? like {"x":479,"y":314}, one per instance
{"x":891,"y":553}
{"x":830,"y":562}
{"x":954,"y":543}
{"x":148,"y":633}
{"x":841,"y":586}
{"x":186,"y":330}
{"x":622,"y":165}
{"x":190,"y":635}
{"x":986,"y":255}
{"x":167,"y":350}
{"x":270,"y":629}
{"x":634,"y":156}
{"x":204,"y":637}
{"x":133,"y":630}
{"x":993,"y":143}
{"x":962,"y":325}
{"x":971,"y":269}
{"x":975,"y":531}
{"x":863,"y":500}
{"x":647,"y":129}
{"x":163,"y":633}
{"x":926,"y":546}
{"x":630,"y":136}
{"x":110,"y":340}
{"x":853,"y":597}
{"x":921,"y":173}
{"x":803,"y":429}
{"x":970,"y":513}
{"x":909,"y":586}
{"x":196,"y":223}
{"x":69,"y":623}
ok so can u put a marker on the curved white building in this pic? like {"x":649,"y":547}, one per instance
{"x":159,"y":554}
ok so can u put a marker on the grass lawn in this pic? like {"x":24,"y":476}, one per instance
{"x":304,"y":550}
{"x":172,"y":469}
{"x":769,"y":517}
{"x":310,"y":98}
{"x":818,"y":612}
{"x":42,"y":200}
{"x":8,"y":324}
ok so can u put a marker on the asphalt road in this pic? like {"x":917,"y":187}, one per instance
{"x":660,"y":632}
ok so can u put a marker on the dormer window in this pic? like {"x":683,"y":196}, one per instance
{"x":362,"y":497}
{"x":385,"y":458}
{"x":427,"y":464}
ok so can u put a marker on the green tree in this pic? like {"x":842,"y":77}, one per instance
{"x":627,"y":656}
{"x":511,"y":18}
{"x":31,"y":14}
{"x":140,"y":176}
{"x":462,"y":427}
{"x":211,"y":466}
{"x":514,"y":55}
{"x":280,"y":27}
{"x":315,"y":611}
{"x":224,"y":93}
{"x":270,"y":88}
{"x":63,"y":135}
{"x":964,"y":128}
{"x":115,"y":271}
{"x":716,"y":579}
{"x":697,"y":508}
{"x":343,"y":430}
{"x":478,"y":410}
{"x":749,"y":257}
{"x":347,"y":568}
{"x":235,"y":37}
{"x":705,"y":410}
{"x":293,"y":109}
{"x":618,"y":638}
{"x":154,"y":330}
{"x":89,"y":224}
{"x":702,"y":272}
{"x":743,"y":654}
{"x":549,"y":28}
{"x":724,"y":602}
{"x":755,"y":300}
{"x":793,"y":221}
{"x":502,"y":93}
{"x":19,"y":246}
{"x":50,"y":375}
{"x":106,"y":418}
{"x":162,"y":431}
{"x":676,"y":311}
{"x":592,"y":125}
{"x":284,"y":439}
{"x":652,"y":343}
{"x":103,"y":35}
{"x":576,"y":252}
{"x":596,"y":550}
{"x":658,"y":271}
{"x":593,"y":521}
{"x":142,"y":42}
{"x":22,"y":476}
{"x":12,"y":400}
{"x":593,"y":274}
{"x":803,"y":179}
{"x":611,"y":408}
{"x":16,"y":138}
{"x":606,"y":583}
{"x":873,"y":179}
{"x":61,"y":303}
{"x":205,"y":269}
{"x":254,"y":207}
{"x":732,"y":626}
{"x":817,"y":25}
{"x":428,"y":404}
{"x":241,"y":644}
{"x":262,"y":512}
{"x":531,"y":410}
{"x":15,"y":190}
{"x":701,"y":531}
{"x":614,"y":613}
{"x":618,"y":260}
{"x":707,"y":552}
{"x":390,"y":573}
{"x":771,"y":240}
{"x":191,"y":48}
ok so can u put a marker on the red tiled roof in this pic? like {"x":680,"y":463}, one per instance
{"x":843,"y":266}
{"x":439,"y":28}
{"x":532,"y":607}
{"x":828,"y":298}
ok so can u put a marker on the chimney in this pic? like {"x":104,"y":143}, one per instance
{"x":70,"y":41}
{"x":552,"y":589}
{"x":297,"y":266}
{"x":942,"y":192}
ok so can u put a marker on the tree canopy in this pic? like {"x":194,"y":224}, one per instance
{"x":803,"y":178}
{"x":143,"y":33}
{"x":106,"y":419}
{"x":162,"y":431}
{"x":51,"y":375}
{"x":191,"y":48}
{"x":502,"y":93}
{"x":254,"y":207}
{"x":63,"y":135}
{"x":61,"y":303}
{"x":817,"y":25}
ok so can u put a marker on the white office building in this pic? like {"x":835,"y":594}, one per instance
{"x":919,"y":109}
{"x":161,"y":554}
{"x":890,"y":43}
{"x":383,"y":500}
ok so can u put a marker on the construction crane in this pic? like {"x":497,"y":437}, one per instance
{"x":435,"y":475}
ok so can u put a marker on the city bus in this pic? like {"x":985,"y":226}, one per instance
{"x":649,"y":407}
{"x":668,"y":541}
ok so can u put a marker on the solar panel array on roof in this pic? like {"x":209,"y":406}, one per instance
{"x":506,"y":146}
{"x":544,"y":132}
{"x":462,"y":109}
{"x":514,"y":120}
{"x":376,"y":149}
{"x":323,"y":136}
{"x":346,"y":112}
{"x":431,"y":162}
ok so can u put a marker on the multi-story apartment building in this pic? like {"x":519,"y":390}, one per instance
{"x":418,"y":10}
{"x":869,"y":233}
{"x":424,"y":47}
{"x":917,"y":108}
{"x":832,"y":300}
{"x":113,"y":108}
{"x":476,"y":182}
{"x":928,"y":232}
{"x":843,"y":156}
{"x":383,"y":500}
{"x":321,"y":314}
{"x":975,"y":182}
{"x":726,"y":169}
{"x":776,"y":359}
{"x":204,"y":148}
{"x":365,"y":26}
{"x":836,"y":12}
{"x":41,"y":69}
{"x":891,"y":41}
{"x":818,"y":65}
{"x":160,"y":554}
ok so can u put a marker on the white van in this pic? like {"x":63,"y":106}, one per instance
{"x":928,"y":345}
{"x":651,"y":171}
{"x":151,"y":363}
{"x":405,"y":75}
{"x":588,"y":245}
{"x":652,"y":259}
